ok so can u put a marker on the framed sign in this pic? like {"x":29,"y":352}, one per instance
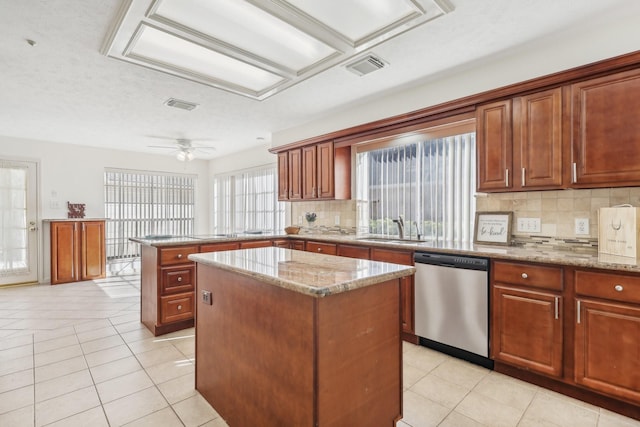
{"x":493,"y":228}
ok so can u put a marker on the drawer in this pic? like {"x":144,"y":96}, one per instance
{"x":533,"y":275}
{"x":178,"y":279}
{"x":179,"y":255}
{"x":613,"y":286}
{"x":350,"y":251}
{"x":176,"y":307}
{"x":322,"y":248}
{"x":256,"y":244}
{"x":216,"y":247}
{"x":393,"y":256}
{"x":282,"y":244}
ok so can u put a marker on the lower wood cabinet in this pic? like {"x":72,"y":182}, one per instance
{"x":321,"y":248}
{"x":607,"y":333}
{"x":78,"y":250}
{"x":167,"y":288}
{"x":407,"y":287}
{"x":526,"y":317}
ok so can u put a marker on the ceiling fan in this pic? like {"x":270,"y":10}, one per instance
{"x":184,"y":147}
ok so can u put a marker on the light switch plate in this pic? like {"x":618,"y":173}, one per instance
{"x":582,"y":226}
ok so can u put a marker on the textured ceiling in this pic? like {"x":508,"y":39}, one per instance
{"x":64,"y":90}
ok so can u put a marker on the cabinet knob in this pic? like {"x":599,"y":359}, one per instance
{"x":179,"y":307}
{"x":618,"y":288}
{"x":179,"y":256}
{"x":319,"y":249}
{"x":179,"y":278}
{"x":524,"y":275}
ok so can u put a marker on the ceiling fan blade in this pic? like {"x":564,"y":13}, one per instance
{"x":162,"y":146}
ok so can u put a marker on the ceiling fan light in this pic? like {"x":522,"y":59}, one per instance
{"x":184,"y":156}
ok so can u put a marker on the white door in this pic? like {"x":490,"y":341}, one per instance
{"x":18,"y":222}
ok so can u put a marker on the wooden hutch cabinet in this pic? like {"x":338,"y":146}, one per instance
{"x":78,"y":250}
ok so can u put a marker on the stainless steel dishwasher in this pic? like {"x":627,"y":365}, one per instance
{"x":452,"y":305}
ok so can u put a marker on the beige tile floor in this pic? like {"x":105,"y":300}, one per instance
{"x":77,"y":355}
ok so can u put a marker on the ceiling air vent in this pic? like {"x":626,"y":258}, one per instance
{"x":366,"y":65}
{"x":183,"y":105}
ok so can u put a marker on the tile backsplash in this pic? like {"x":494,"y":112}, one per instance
{"x":558,"y":210}
{"x":330,"y":214}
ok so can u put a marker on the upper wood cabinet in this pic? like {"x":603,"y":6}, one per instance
{"x":605,"y":131}
{"x":295,"y":174}
{"x":314,"y":172}
{"x":494,"y":146}
{"x":519,"y":143}
{"x":77,"y":251}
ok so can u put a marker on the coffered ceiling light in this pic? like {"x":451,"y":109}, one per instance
{"x":257,"y":48}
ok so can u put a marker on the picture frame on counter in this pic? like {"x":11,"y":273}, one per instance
{"x":493,"y":228}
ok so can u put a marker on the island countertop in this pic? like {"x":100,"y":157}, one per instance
{"x":304,"y":272}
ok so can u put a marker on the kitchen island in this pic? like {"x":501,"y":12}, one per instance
{"x":292,"y":338}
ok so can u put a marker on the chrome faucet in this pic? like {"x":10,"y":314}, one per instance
{"x":400,"y":222}
{"x":418,"y":234}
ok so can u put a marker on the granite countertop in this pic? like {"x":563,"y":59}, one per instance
{"x":199,"y":239}
{"x":562,"y":255}
{"x":309,"y":273}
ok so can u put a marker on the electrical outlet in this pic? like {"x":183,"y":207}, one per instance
{"x":529,"y":225}
{"x":206,"y":297}
{"x":582,"y":226}
{"x":337,"y":220}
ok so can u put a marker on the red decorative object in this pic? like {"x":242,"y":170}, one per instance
{"x":76,"y":210}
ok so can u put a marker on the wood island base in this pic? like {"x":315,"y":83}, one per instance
{"x":270,"y":356}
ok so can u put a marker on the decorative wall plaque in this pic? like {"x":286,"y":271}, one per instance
{"x":75,"y":210}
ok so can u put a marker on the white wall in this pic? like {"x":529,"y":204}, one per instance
{"x":615,"y":34}
{"x":76,"y":174}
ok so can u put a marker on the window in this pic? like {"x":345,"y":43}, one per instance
{"x":247,"y":201}
{"x":146,"y":203}
{"x":428,"y":179}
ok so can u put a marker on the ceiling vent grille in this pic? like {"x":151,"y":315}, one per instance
{"x":366,"y":65}
{"x":183,"y":105}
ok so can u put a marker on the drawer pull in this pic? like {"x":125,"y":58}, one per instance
{"x":179,"y":307}
{"x":618,"y":288}
{"x":179,"y":256}
{"x":319,"y":249}
{"x":179,"y":278}
{"x":524,"y":275}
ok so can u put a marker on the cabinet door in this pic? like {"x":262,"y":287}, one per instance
{"x":607,"y":348}
{"x":325,"y":179}
{"x":295,"y":171}
{"x":494,"y":146}
{"x":605,"y":129}
{"x":407,"y":288}
{"x":92,"y":250}
{"x":309,"y":173}
{"x":64,"y":252}
{"x":526,"y":329}
{"x":283,"y":176}
{"x":537,"y":142}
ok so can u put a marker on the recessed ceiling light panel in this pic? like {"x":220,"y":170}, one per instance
{"x":258,"y":48}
